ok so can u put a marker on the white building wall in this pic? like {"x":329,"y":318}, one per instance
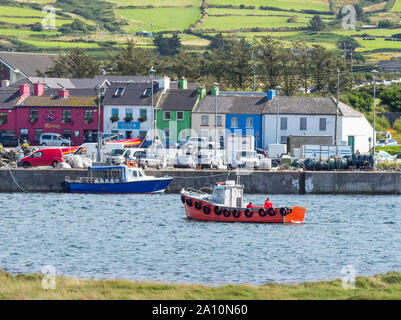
{"x":293,"y":127}
{"x":208,"y":131}
{"x":109,"y":126}
{"x":359,"y":128}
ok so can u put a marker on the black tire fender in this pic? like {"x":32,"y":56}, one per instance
{"x":198,"y":205}
{"x":248,"y":213}
{"x":206,"y":209}
{"x":283,"y":212}
{"x":189,"y":202}
{"x":236,"y":213}
{"x":271,"y":212}
{"x":262,"y":212}
{"x":226,"y":212}
{"x":217,"y":210}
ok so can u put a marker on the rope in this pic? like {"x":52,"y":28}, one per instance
{"x":15,"y":181}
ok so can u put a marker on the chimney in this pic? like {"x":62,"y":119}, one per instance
{"x":63,"y":93}
{"x":24,"y":90}
{"x":215,"y":90}
{"x":164,"y":83}
{"x":270,"y":94}
{"x":202,"y":92}
{"x":38,"y":89}
{"x":5,"y":83}
{"x":183,"y":83}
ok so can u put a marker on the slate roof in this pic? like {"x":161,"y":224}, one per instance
{"x":231,"y":104}
{"x":8,"y":98}
{"x":71,"y":101}
{"x":28,"y":63}
{"x":179,"y":100}
{"x":207,"y":104}
{"x":133,"y":95}
{"x":55,"y":83}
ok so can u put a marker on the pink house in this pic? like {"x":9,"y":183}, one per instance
{"x":71,"y":113}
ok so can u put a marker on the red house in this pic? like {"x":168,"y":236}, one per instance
{"x":71,"y":113}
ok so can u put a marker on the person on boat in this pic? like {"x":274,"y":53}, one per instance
{"x":250,"y":206}
{"x":268,"y":204}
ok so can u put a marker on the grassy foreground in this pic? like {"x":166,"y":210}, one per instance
{"x":387,"y":286}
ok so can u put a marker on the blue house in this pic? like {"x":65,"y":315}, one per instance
{"x":245,"y":116}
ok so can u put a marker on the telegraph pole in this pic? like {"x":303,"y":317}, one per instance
{"x":338,"y":99}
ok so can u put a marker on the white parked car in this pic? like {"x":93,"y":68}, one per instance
{"x":53,"y":139}
{"x":197,"y":143}
{"x":119,"y":156}
{"x":385,"y":156}
{"x":185,"y":160}
{"x":390,"y":142}
{"x":150,"y":159}
{"x":245,"y":159}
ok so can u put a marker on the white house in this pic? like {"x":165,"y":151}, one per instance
{"x":315,"y":116}
{"x":127,"y":107}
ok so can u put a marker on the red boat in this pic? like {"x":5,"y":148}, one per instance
{"x":226,"y":204}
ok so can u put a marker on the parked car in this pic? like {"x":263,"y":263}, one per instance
{"x":53,"y":139}
{"x":204,"y":161}
{"x":150,"y":159}
{"x":384,"y":156}
{"x":398,"y":156}
{"x":261,"y":152}
{"x":9,"y":140}
{"x":119,"y":156}
{"x":245,"y":159}
{"x":185,"y":160}
{"x":43,"y":157}
{"x":390,"y":142}
{"x":199,"y":143}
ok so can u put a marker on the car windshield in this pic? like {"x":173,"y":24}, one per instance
{"x":117,"y":152}
{"x":248,"y":154}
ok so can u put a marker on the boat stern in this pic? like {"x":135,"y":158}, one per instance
{"x":296,"y":216}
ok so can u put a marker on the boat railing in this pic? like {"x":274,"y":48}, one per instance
{"x":82,"y":179}
{"x":192,"y":190}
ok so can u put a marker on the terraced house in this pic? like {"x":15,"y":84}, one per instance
{"x":174,"y":114}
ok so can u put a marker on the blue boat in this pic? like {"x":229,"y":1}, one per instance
{"x":116,"y":179}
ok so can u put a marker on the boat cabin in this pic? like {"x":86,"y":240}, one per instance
{"x":228,"y":194}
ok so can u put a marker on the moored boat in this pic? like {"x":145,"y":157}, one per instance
{"x":116,"y":179}
{"x":226,"y":204}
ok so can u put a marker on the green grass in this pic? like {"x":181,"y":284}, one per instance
{"x":26,"y":21}
{"x":370,"y":32}
{"x":243,"y":12}
{"x":26,"y":32}
{"x":26,"y":287}
{"x":158,"y":3}
{"x":60,"y":44}
{"x":162,"y":18}
{"x":393,"y":150}
{"x":319,"y":5}
{"x":20,"y":12}
{"x":397,"y":6}
{"x":379,"y":43}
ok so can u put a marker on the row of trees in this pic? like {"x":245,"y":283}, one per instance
{"x":234,"y":63}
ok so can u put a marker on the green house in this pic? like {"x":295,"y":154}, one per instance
{"x":174,"y":113}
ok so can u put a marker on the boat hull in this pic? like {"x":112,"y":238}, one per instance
{"x":296,"y":216}
{"x":146,"y":186}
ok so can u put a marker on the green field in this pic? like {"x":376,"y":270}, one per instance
{"x":379,"y":43}
{"x":60,"y":44}
{"x":27,"y":21}
{"x":161,"y":18}
{"x":158,"y":3}
{"x":20,"y":12}
{"x":319,"y":5}
{"x":397,"y":6}
{"x":28,"y":287}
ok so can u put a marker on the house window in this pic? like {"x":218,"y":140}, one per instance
{"x":66,"y":116}
{"x":302,"y":124}
{"x":38,"y":132}
{"x":166,"y":115}
{"x":234,"y":122}
{"x":3,"y":118}
{"x":283,"y":124}
{"x":322,"y":124}
{"x":283,"y":139}
{"x":114,"y":112}
{"x":128,"y":112}
{"x":119,"y":92}
{"x":33,"y":116}
{"x":67,"y":133}
{"x":205,"y":120}
{"x":24,"y":134}
{"x":143,"y":114}
{"x":249,"y":122}
{"x":219,"y":120}
{"x":180,"y":115}
{"x":76,"y":134}
{"x":88,"y":116}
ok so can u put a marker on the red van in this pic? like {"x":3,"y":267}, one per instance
{"x":44,"y":157}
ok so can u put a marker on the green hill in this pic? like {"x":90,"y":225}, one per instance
{"x":105,"y":24}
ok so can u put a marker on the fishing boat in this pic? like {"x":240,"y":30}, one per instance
{"x":116,"y":179}
{"x":226,"y":204}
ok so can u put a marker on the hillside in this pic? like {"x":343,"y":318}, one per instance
{"x":105,"y":24}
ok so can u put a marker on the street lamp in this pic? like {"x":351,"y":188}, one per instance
{"x":374,"y":72}
{"x":278,"y":88}
{"x":152,"y":73}
{"x":216,"y":86}
{"x":99,"y":137}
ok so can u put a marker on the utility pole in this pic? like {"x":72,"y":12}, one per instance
{"x":99,"y":136}
{"x":374,"y":72}
{"x":278,"y":88}
{"x":338,"y":99}
{"x":151,"y":73}
{"x":216,"y":85}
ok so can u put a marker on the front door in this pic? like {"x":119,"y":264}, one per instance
{"x":128,"y":134}
{"x":351,"y":142}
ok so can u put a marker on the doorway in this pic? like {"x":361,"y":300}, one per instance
{"x":351,"y":142}
{"x":128,"y":134}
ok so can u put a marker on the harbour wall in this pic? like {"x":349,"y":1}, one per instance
{"x":257,"y":182}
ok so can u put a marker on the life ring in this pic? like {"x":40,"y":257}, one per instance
{"x":189,"y":202}
{"x":198,"y":205}
{"x":283,"y":212}
{"x":206,"y":209}
{"x":271,"y":212}
{"x":236,"y":213}
{"x":262,"y":212}
{"x":248,"y":213}
{"x":131,"y":164}
{"x":183,"y":199}
{"x":289,"y":210}
{"x":217,"y":210}
{"x":226,"y":212}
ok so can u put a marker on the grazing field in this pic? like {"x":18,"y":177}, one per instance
{"x":397,"y":6}
{"x":319,"y":5}
{"x":60,"y":44}
{"x":27,"y":21}
{"x":379,"y":43}
{"x":256,"y":12}
{"x":158,"y":3}
{"x":161,"y":18}
{"x":20,"y":12}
